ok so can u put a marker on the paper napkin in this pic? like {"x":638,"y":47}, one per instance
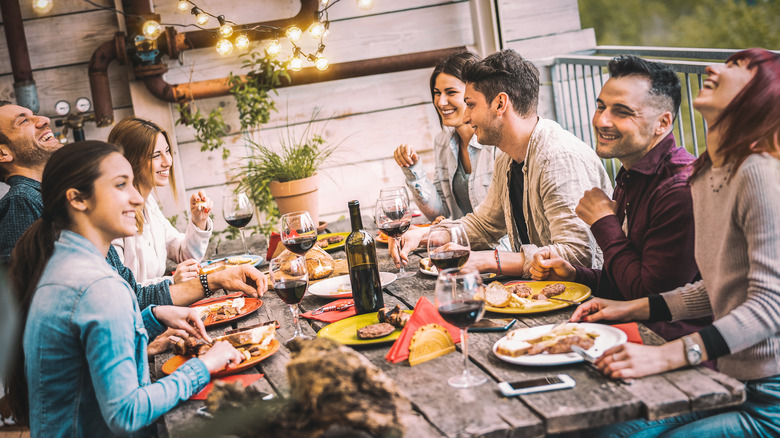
{"x":424,"y":313}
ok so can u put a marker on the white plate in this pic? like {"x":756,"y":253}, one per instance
{"x":329,"y":288}
{"x":433,"y":271}
{"x":608,"y":337}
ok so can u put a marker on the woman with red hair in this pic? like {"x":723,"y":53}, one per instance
{"x":735,"y":187}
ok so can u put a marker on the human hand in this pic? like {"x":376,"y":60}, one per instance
{"x":221,"y":355}
{"x":409,"y":241}
{"x":182,"y":318}
{"x":594,"y":205}
{"x":165,"y":341}
{"x":599,"y":308}
{"x":200,"y":206}
{"x":405,"y":156}
{"x":186,"y":270}
{"x":629,"y":361}
{"x":244,"y":278}
{"x":546,"y":265}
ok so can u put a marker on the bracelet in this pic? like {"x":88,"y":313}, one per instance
{"x":498,"y":262}
{"x":204,"y":281}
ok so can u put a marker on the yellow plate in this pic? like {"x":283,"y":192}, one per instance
{"x":333,"y":246}
{"x":574,"y":292}
{"x":345,"y":331}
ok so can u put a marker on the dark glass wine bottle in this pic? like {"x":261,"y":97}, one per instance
{"x":363,"y":269}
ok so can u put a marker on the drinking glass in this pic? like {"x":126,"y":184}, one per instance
{"x":290,"y":280}
{"x":298,"y":232}
{"x":458,"y":295}
{"x":389,"y":192}
{"x":394,"y":217}
{"x":237,"y":209}
{"x":448,"y":245}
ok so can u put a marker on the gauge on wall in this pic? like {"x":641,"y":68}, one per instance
{"x":83,"y":104}
{"x":62,"y":108}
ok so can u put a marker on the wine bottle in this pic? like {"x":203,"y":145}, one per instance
{"x":363,"y":269}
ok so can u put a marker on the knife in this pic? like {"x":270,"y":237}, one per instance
{"x":563,"y":299}
{"x":591,"y":359}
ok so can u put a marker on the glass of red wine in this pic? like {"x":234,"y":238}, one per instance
{"x":448,"y":245}
{"x":290,"y":279}
{"x":298,"y":232}
{"x":394,"y":217}
{"x":237,"y":209}
{"x":458,"y":293}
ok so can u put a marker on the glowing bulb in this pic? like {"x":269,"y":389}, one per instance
{"x":151,"y":29}
{"x":242,"y":42}
{"x":294,"y":33}
{"x":224,"y":47}
{"x":317,"y":29}
{"x":200,"y":16}
{"x":365,"y":4}
{"x":273,"y":48}
{"x":323,"y":3}
{"x":321,"y":63}
{"x":225,"y":30}
{"x":42,"y":6}
{"x":296,"y":63}
{"x":183,"y":6}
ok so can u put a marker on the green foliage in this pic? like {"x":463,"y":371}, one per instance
{"x":209,"y":129}
{"x":253,"y":100}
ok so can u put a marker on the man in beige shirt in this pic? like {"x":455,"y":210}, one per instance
{"x":536,"y":184}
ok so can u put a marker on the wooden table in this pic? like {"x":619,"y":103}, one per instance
{"x":441,"y":410}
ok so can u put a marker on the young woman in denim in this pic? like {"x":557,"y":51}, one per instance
{"x":83,"y":370}
{"x":735,"y":186}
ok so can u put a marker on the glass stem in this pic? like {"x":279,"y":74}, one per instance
{"x":243,"y":240}
{"x":464,"y":336}
{"x":296,"y":320}
{"x":401,"y":270}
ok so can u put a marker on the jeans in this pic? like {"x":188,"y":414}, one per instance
{"x":758,"y":416}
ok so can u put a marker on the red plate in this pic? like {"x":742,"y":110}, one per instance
{"x":176,"y":361}
{"x":250,"y":305}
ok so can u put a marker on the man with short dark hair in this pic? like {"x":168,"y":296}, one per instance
{"x":646,"y":233}
{"x":536,"y":185}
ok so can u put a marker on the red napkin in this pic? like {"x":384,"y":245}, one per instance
{"x":273,"y":242}
{"x":245,"y":379}
{"x":632,"y":330}
{"x":333,"y":315}
{"x":424,"y":313}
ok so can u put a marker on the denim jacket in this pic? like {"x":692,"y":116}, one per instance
{"x":85,"y":351}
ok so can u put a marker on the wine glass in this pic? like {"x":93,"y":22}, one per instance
{"x":394,"y":217}
{"x":298,"y":232}
{"x":458,"y":300}
{"x":290,"y":279}
{"x":448,"y":245}
{"x":389,"y":192}
{"x":237,"y":209}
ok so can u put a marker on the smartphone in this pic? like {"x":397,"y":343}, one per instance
{"x":538,"y":384}
{"x":492,"y":325}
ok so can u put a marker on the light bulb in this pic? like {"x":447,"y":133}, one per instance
{"x":224,"y":47}
{"x":294,"y":33}
{"x":151,"y":29}
{"x":273,"y":48}
{"x":42,"y":6}
{"x":242,"y":42}
{"x":200,"y":16}
{"x":296,"y":63}
{"x":317,"y":29}
{"x":225,"y":30}
{"x":365,"y":4}
{"x":323,"y":3}
{"x":183,"y":6}
{"x":321,"y":63}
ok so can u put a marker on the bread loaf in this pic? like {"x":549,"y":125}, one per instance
{"x":319,"y":263}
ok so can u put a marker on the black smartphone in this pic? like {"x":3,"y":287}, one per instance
{"x":493,"y":325}
{"x":539,"y":384}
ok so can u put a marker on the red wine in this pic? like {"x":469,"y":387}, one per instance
{"x":239,"y":221}
{"x":395,"y":214}
{"x":291,"y":292}
{"x":462,"y":313}
{"x":366,"y":289}
{"x":450,"y":259}
{"x":300,"y":245}
{"x":395,"y":229}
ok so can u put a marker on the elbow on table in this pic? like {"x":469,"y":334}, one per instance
{"x":129,"y":418}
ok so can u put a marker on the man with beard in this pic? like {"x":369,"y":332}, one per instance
{"x":535,"y":185}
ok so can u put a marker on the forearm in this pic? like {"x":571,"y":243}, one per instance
{"x":511,"y":263}
{"x":427,"y":196}
{"x":188,"y":292}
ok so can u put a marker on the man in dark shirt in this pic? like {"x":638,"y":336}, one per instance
{"x":646,"y":232}
{"x":26,"y":143}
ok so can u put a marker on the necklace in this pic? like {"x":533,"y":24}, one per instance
{"x":716,"y":183}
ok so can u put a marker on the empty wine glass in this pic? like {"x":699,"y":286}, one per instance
{"x":458,"y":295}
{"x":290,"y":280}
{"x":237,"y":209}
{"x":448,"y":245}
{"x":394,"y":217}
{"x":298,"y":232}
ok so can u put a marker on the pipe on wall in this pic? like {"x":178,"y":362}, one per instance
{"x":24,"y":83}
{"x":98,"y":78}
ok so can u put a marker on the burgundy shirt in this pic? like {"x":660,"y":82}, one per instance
{"x":657,"y":255}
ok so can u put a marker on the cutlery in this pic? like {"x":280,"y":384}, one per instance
{"x":562,"y":299}
{"x":591,"y":359}
{"x":338,"y":307}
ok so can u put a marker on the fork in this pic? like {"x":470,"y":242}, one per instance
{"x":338,"y":308}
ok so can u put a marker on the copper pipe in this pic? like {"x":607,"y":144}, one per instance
{"x":178,"y":93}
{"x":98,"y":79}
{"x":24,"y":83}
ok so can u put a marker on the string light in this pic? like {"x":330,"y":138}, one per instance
{"x":321,"y":63}
{"x":224,"y":47}
{"x":151,"y":29}
{"x":42,"y":6}
{"x":296,"y":63}
{"x":323,"y":3}
{"x":317,"y":30}
{"x":365,"y":4}
{"x":183,"y":6}
{"x":273,"y":48}
{"x":242,"y":42}
{"x":225,"y":30}
{"x":200,"y":16}
{"x":294,"y":33}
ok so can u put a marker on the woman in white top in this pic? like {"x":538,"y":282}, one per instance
{"x":463,"y":167}
{"x":148,"y":149}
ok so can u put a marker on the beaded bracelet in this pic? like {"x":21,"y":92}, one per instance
{"x":204,"y":281}
{"x":498,"y":262}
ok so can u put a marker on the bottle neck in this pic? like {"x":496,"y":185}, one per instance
{"x":354,"y":217}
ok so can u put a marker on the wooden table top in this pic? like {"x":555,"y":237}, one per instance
{"x":441,"y":410}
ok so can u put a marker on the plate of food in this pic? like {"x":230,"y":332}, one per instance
{"x":222,"y":263}
{"x":256,"y":343}
{"x":367,"y":329}
{"x":382,"y":238}
{"x":225,"y":309}
{"x":427,"y":267}
{"x":331,"y":241}
{"x":551,"y":344}
{"x":340,"y":287}
{"x":517,"y":297}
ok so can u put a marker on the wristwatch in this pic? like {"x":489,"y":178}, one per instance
{"x":692,"y":351}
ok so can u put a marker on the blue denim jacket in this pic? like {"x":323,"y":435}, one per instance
{"x":85,"y":351}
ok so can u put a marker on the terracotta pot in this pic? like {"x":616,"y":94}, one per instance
{"x":298,"y":195}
